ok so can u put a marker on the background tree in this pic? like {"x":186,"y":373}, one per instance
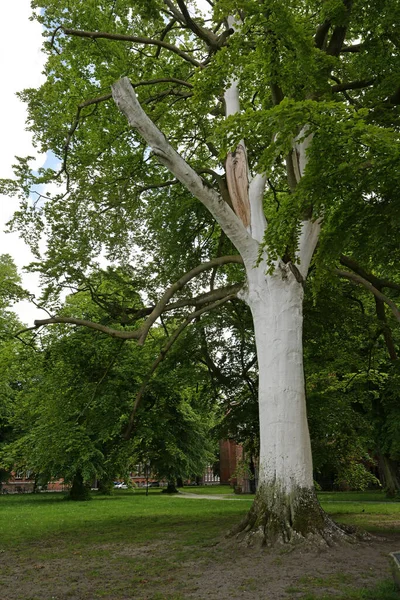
{"x":70,"y":417}
{"x":13,"y":354}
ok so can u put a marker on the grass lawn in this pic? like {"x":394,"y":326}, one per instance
{"x":164,"y":547}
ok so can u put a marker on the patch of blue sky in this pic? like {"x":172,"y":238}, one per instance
{"x":38,"y":192}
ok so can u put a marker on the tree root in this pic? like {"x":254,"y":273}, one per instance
{"x":277,"y":519}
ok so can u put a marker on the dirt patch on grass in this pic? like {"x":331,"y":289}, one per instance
{"x":272,"y":574}
{"x":168,"y":570}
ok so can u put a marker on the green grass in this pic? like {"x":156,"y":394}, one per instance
{"x":372,"y":496}
{"x":123,"y":515}
{"x":28,"y":517}
{"x":141,"y":542}
{"x":385,"y":590}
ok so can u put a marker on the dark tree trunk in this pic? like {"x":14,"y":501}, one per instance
{"x":171,"y":488}
{"x":389,"y":475}
{"x":105,"y":486}
{"x":252,"y":481}
{"x":79,"y":490}
{"x":179,"y":482}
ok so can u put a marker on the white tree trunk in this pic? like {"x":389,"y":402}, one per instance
{"x":286,"y":508}
{"x":276,"y":304}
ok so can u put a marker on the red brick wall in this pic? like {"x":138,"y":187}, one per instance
{"x":229,"y":454}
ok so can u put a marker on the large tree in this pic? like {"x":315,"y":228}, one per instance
{"x":265,"y":126}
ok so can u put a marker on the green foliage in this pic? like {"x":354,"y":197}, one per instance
{"x":351,"y":385}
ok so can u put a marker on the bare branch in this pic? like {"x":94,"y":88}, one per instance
{"x":162,"y":355}
{"x":93,"y":35}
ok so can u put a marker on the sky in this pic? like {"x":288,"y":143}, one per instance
{"x":21,"y":67}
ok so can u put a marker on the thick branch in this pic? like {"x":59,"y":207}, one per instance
{"x":353,"y":85}
{"x":339,"y":34}
{"x":321,"y":34}
{"x":387,"y":332}
{"x":128,"y":103}
{"x":131,"y":38}
{"x":206,"y":35}
{"x":175,"y":12}
{"x":353,"y":48}
{"x":103,"y":98}
{"x":352,"y":264}
{"x":161,"y":307}
{"x":368,"y":285}
{"x":162,"y":355}
{"x":256,"y":197}
{"x":115,"y":333}
{"x":222,"y":260}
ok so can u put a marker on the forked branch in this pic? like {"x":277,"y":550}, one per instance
{"x":162,"y":303}
{"x":162,"y":306}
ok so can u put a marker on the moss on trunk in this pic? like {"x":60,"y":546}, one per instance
{"x":280,"y":518}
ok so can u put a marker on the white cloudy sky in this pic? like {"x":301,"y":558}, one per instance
{"x":20,"y":67}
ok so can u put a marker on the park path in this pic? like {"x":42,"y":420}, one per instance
{"x":229,"y":497}
{"x":210,"y":497}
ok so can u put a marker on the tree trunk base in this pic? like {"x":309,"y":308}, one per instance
{"x":79,"y":490}
{"x":170,"y":489}
{"x":291,"y":519}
